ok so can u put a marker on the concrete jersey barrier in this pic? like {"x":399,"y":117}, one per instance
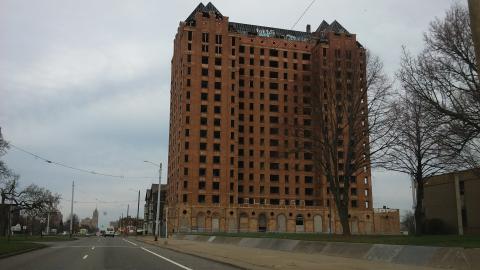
{"x":441,"y":257}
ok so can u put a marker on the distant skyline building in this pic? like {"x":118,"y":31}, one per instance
{"x":91,"y":222}
{"x":239,"y":94}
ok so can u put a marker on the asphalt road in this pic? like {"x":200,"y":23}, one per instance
{"x":106,"y":253}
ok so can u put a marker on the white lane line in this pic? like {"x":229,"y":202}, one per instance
{"x":130,"y":242}
{"x":93,"y":247}
{"x":167,"y":259}
{"x":84,"y":257}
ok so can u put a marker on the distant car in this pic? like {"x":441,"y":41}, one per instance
{"x":110,"y":232}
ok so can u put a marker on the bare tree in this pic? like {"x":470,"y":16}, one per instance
{"x":445,"y":78}
{"x":349,"y":124}
{"x":4,"y":171}
{"x":419,"y":149}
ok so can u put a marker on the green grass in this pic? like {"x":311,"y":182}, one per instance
{"x":38,"y":238}
{"x":471,"y":241}
{"x":21,"y":242}
{"x":16,"y":246}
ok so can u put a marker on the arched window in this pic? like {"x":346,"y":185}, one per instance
{"x":299,"y":220}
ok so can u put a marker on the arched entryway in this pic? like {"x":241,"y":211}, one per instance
{"x":215,"y":223}
{"x":281,"y":223}
{"x":262,"y":223}
{"x":232,"y":223}
{"x":201,"y":222}
{"x":184,"y":223}
{"x":317,"y":224}
{"x":299,"y":223}
{"x":243,"y":222}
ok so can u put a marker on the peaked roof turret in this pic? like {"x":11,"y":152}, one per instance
{"x":202,"y":8}
{"x":323,"y":26}
{"x":338,"y":28}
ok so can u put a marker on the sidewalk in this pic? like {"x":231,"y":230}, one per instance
{"x":254,"y":258}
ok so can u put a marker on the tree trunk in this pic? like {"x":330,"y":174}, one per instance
{"x":419,"y":215}
{"x":343,"y":214}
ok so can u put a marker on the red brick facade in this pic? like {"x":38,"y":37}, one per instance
{"x":236,"y":92}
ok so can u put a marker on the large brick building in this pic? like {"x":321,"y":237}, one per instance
{"x":236,"y":92}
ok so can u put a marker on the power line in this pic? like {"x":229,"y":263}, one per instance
{"x":303,"y":14}
{"x":75,"y":168}
{"x":100,"y":202}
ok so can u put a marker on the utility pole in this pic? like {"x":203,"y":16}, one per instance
{"x":474,"y":10}
{"x":158,"y":201}
{"x":138,"y":208}
{"x":48,"y":222}
{"x":128,"y":208}
{"x":71,"y":210}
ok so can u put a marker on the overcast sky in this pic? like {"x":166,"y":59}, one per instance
{"x":86,"y":83}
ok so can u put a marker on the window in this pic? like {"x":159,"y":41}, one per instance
{"x":218,"y":39}
{"x":205,"y":37}
{"x":216,"y":159}
{"x":274,"y":177}
{"x":201,"y":185}
{"x":273,"y":52}
{"x":203,"y":146}
{"x":204,"y":72}
{"x":203,"y":108}
{"x":217,"y":109}
{"x":216,"y":122}
{"x":204,"y":49}
{"x":218,"y":73}
{"x":203,"y":133}
{"x":189,"y":35}
{"x":216,"y":134}
{"x":274,"y":190}
{"x":203,"y":159}
{"x":241,"y":49}
{"x":309,"y":191}
{"x":218,"y":85}
{"x":202,"y":171}
{"x":306,"y":56}
{"x":354,"y":203}
{"x":215,"y":199}
{"x":201,"y":198}
{"x":204,"y":59}
{"x":204,"y":84}
{"x":274,"y":64}
{"x":216,"y":147}
{"x":216,"y":185}
{"x":204,"y":96}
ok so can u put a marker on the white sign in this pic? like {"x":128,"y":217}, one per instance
{"x":16,"y":228}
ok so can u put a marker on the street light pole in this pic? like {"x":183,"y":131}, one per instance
{"x":138,"y":208}
{"x":157,"y":219}
{"x":71,"y":210}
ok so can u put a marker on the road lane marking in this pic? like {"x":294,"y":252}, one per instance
{"x":167,"y":259}
{"x":130,"y":242}
{"x":84,"y":257}
{"x":93,"y":247}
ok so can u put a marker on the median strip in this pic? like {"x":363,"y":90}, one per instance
{"x":167,"y":259}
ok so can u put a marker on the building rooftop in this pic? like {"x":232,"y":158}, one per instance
{"x":265,"y":31}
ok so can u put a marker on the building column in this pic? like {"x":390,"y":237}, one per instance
{"x":458,"y":202}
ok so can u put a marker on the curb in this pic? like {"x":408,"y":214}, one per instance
{"x":210,"y":258}
{"x":6,"y":255}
